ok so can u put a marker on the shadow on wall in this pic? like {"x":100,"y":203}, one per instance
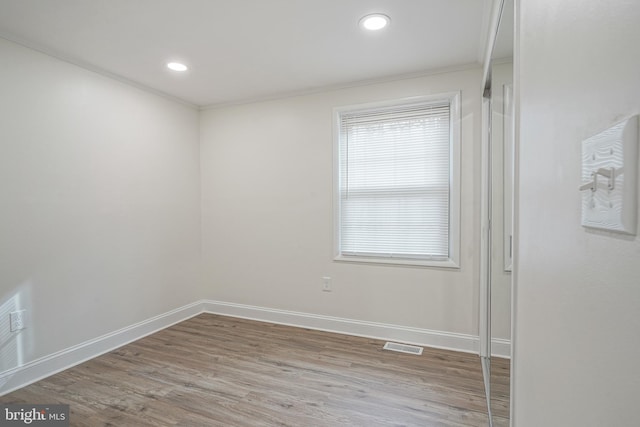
{"x":13,"y":345}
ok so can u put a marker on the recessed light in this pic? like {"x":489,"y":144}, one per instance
{"x":176,"y":66}
{"x":375,"y":21}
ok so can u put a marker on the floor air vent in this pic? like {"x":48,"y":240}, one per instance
{"x":403,"y":348}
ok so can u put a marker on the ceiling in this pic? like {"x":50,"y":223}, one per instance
{"x":240,"y":50}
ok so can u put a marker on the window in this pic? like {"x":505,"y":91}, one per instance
{"x":397,"y":188}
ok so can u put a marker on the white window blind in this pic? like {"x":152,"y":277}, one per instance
{"x":394,"y":184}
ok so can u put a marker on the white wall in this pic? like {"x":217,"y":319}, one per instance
{"x":267,"y":213}
{"x":99,"y":204}
{"x":577,"y":330}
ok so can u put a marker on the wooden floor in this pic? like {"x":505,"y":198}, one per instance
{"x":219,"y":371}
{"x":500,"y":370}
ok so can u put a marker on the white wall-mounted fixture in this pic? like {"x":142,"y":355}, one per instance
{"x":609,"y":165}
{"x":375,"y":21}
{"x":326,"y":284}
{"x":177,"y":66}
{"x":17,"y":320}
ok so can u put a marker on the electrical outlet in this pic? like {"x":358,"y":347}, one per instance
{"x":326,"y":284}
{"x":17,"y":320}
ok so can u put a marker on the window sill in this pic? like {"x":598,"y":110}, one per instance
{"x":446,"y":263}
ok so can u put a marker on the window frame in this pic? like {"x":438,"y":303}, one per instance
{"x":453,"y":260}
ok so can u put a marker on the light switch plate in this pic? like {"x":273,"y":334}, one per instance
{"x":609,"y":164}
{"x":17,"y":320}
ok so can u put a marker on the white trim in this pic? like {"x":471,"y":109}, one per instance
{"x":51,"y":364}
{"x":515,"y":262}
{"x":381,"y":331}
{"x":341,"y":86}
{"x":43,"y":367}
{"x":455,"y":168}
{"x":443,"y":263}
{"x":484,"y":311}
{"x":501,"y":347}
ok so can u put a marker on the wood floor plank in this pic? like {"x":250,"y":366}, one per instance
{"x":219,"y":371}
{"x":500,"y":390}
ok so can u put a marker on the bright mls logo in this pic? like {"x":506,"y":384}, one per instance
{"x":35,"y":415}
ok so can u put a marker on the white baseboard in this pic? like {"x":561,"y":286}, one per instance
{"x":382,"y":331}
{"x":501,"y":348}
{"x":43,"y":367}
